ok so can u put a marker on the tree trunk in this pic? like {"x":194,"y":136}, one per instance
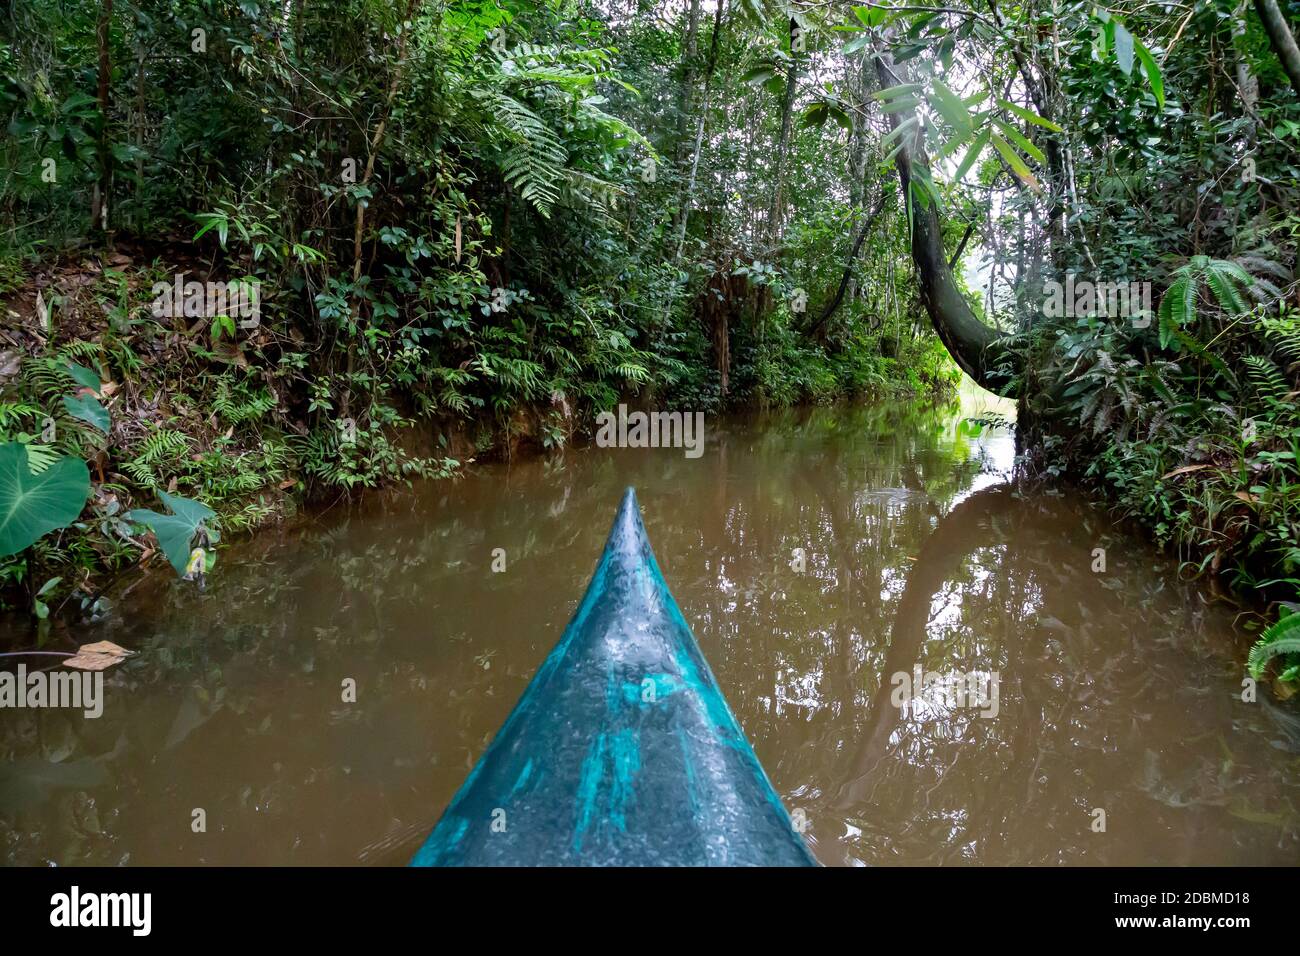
{"x":860,"y":77}
{"x":689,"y":198}
{"x":977,"y":348}
{"x":686,"y":91}
{"x":1247,"y":84}
{"x":846,"y":279}
{"x":376,"y":143}
{"x":685,"y":99}
{"x":99,"y":201}
{"x":1057,"y":185}
{"x":783,"y":146}
{"x":1281,"y":39}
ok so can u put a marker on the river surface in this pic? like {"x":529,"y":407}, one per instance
{"x":1119,"y":734}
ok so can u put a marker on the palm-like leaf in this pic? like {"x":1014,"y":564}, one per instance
{"x":1282,"y":638}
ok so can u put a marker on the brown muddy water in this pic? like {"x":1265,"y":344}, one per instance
{"x":1117,"y":691}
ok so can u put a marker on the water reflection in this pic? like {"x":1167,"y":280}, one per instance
{"x":1118,"y":691}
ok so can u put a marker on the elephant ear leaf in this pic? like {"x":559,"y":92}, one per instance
{"x":175,"y":532}
{"x":34,"y":505}
{"x":86,"y":378}
{"x":85,"y":408}
{"x":85,"y":405}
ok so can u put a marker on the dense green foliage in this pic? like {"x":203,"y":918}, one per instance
{"x":1187,"y":419}
{"x":469,"y":224}
{"x":475,"y":224}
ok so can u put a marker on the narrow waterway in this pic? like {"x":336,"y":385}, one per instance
{"x":816,"y":554}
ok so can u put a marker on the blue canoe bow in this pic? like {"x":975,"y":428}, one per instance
{"x":622,"y":750}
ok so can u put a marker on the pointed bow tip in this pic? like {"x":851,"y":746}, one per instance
{"x":627,"y":534}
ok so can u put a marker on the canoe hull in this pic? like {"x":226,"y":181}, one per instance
{"x":622,"y":750}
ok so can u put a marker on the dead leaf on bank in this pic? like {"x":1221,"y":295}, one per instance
{"x":229,"y":353}
{"x":1245,"y":496}
{"x":98,"y":656}
{"x":1185,"y":469}
{"x":10,"y":363}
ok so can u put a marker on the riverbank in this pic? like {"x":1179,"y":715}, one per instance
{"x":229,"y":406}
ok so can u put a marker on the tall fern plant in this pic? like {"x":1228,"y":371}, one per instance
{"x":1180,"y":308}
{"x":530,"y":100}
{"x":1280,"y":642}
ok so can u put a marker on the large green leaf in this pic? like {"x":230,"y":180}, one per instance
{"x":856,"y":44}
{"x":1152,"y":70}
{"x":814,"y":115}
{"x":871,"y":16}
{"x":1013,"y":134}
{"x":86,"y":378}
{"x":1123,"y":48}
{"x":972,"y":154}
{"x":901,"y":103}
{"x":175,"y":532}
{"x":34,"y":505}
{"x":951,"y":108}
{"x":1029,"y":116}
{"x":85,"y":408}
{"x":1016,"y":163}
{"x":894,"y":92}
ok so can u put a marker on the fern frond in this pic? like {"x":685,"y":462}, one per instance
{"x":1266,"y":378}
{"x":533,"y":160}
{"x":1220,"y":276}
{"x":1281,"y":638}
{"x":592,"y":191}
{"x":1284,"y":334}
{"x":1178,"y":307}
{"x":163,"y":447}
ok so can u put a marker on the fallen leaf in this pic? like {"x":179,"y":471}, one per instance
{"x":1245,"y":496}
{"x":98,"y":656}
{"x":10,"y":363}
{"x":1184,"y":470}
{"x":105,"y":647}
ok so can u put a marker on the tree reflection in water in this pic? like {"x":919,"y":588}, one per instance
{"x":1117,"y":691}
